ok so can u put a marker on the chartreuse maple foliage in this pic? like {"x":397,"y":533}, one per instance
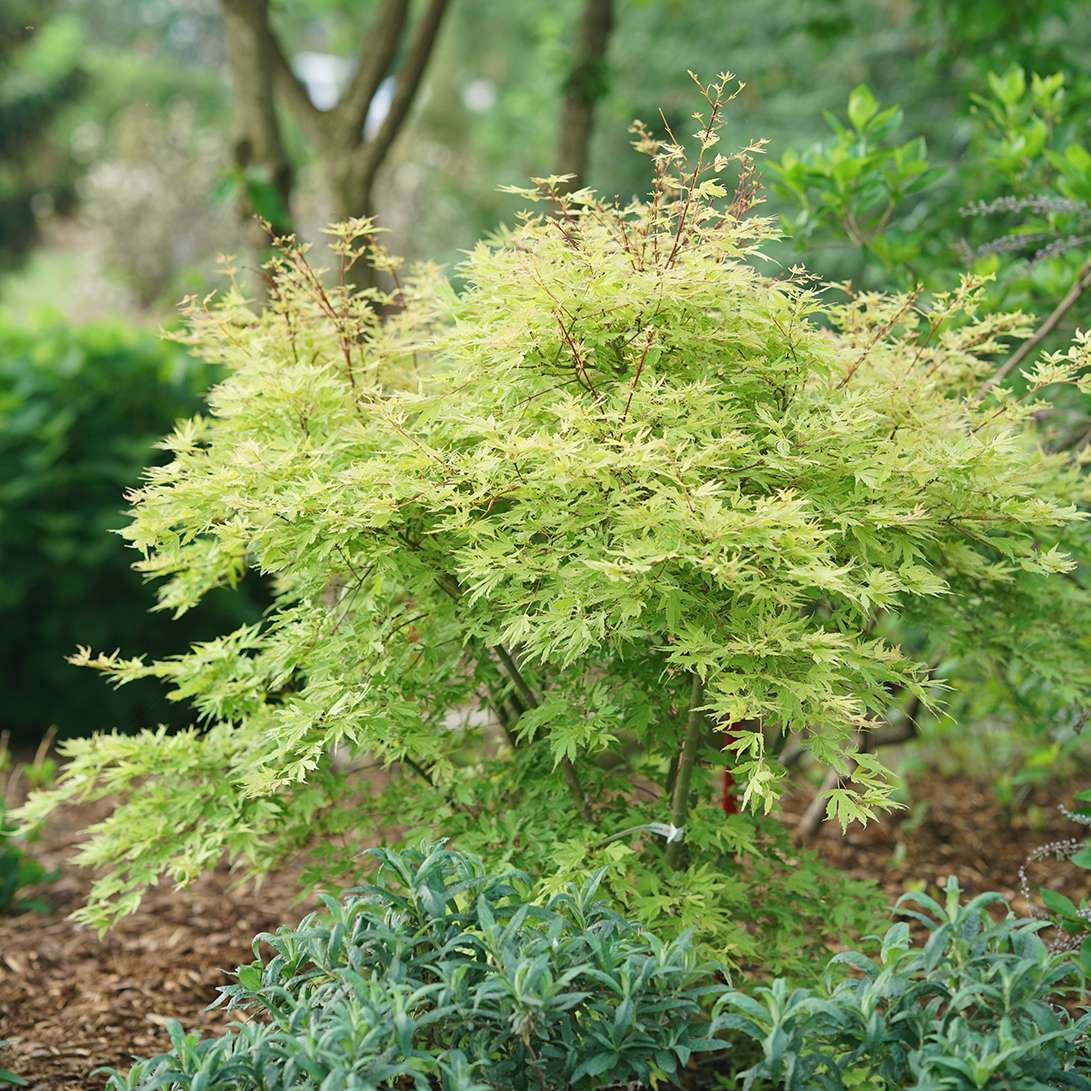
{"x":539,"y":541}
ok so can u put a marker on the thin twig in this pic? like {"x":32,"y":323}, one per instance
{"x":530,"y":699}
{"x":1079,"y":286}
{"x":880,"y":334}
{"x":527,"y":697}
{"x":636,"y":379}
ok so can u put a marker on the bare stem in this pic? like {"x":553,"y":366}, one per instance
{"x":812,"y":817}
{"x":530,"y":699}
{"x":524,"y":695}
{"x":1079,"y":286}
{"x":687,"y":760}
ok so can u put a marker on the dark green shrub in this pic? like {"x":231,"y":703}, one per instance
{"x":42,"y":75}
{"x":446,"y":971}
{"x":80,"y":411}
{"x":976,"y":1005}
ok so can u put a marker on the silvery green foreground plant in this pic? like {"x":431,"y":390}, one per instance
{"x":446,"y":971}
{"x":977,"y":1005}
{"x":558,"y":547}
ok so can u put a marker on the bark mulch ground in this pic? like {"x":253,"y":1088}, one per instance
{"x":71,"y":1003}
{"x":956,"y":827}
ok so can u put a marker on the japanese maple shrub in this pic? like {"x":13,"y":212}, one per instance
{"x":561,"y":546}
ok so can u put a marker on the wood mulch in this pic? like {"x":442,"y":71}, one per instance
{"x":954,"y":826}
{"x":71,"y":1003}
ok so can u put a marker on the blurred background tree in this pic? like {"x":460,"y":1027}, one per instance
{"x":40,"y":76}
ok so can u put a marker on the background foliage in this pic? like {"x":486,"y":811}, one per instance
{"x":80,"y":411}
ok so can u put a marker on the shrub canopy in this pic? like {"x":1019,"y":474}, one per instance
{"x":625,"y":487}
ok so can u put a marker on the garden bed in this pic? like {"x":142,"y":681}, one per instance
{"x":70,"y":1002}
{"x":955,"y":826}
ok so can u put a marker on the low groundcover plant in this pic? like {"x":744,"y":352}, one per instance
{"x":561,"y":547}
{"x":445,"y":970}
{"x":976,"y":1005}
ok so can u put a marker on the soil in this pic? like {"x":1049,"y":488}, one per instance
{"x":954,"y":826}
{"x":71,"y":1003}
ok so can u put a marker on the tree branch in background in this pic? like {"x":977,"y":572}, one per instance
{"x":282,"y":77}
{"x":1079,"y":286}
{"x":261,"y":68}
{"x":585,"y":85}
{"x":406,"y":86}
{"x":257,"y":142}
{"x":381,"y":45}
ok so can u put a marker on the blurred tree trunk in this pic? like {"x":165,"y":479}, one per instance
{"x":586,"y":84}
{"x":350,"y":157}
{"x":265,"y":173}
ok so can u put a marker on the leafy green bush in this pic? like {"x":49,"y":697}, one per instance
{"x":1015,"y":203}
{"x":806,"y":906}
{"x":444,"y":970}
{"x":623,"y":516}
{"x":17,"y":870}
{"x":857,"y":186}
{"x":976,"y":1005}
{"x":80,"y":411}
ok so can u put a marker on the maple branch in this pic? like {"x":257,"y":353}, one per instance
{"x":687,"y":760}
{"x":636,"y":379}
{"x":1079,"y":286}
{"x":527,"y":698}
{"x":530,"y":699}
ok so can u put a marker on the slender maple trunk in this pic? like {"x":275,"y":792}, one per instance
{"x":687,"y":761}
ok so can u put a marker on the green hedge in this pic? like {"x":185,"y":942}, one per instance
{"x":80,"y":410}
